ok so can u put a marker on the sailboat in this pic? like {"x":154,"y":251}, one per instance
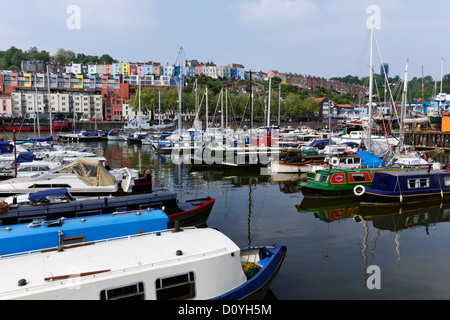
{"x":181,"y":144}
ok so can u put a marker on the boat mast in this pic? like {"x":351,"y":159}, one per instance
{"x":423,"y":89}
{"x":268,"y":106}
{"x":442,"y":73}
{"x":226,"y":108}
{"x":139,"y":112}
{"x":221,"y":110}
{"x":251,"y":109}
{"x":279,"y":104}
{"x":159,"y":102}
{"x":369,"y":129}
{"x":49,"y":104}
{"x":196,"y":108}
{"x":179,"y":92}
{"x":403,"y":111}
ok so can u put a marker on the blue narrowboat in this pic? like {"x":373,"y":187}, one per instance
{"x":402,"y":187}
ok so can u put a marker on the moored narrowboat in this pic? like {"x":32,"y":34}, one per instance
{"x":401,"y":187}
{"x":336,"y":183}
{"x":192,"y":264}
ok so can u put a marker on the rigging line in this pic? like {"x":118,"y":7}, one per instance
{"x":387,"y":80}
{"x":232,"y":109}
{"x":245,"y":109}
{"x":360,"y":64}
{"x":200,"y":104}
{"x":217,"y":105}
{"x":162,"y":102}
{"x":384,"y":124}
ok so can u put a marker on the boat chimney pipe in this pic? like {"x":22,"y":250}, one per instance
{"x":177,"y":226}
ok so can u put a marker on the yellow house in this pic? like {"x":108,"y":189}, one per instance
{"x":125,"y":69}
{"x":79,"y":84}
{"x":27,"y":80}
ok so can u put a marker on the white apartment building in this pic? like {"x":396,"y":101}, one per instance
{"x":87,"y":106}
{"x":82,"y":105}
{"x":219,"y":72}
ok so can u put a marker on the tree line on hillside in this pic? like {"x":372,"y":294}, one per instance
{"x":418,"y":88}
{"x":293,"y":102}
{"x":11,"y":58}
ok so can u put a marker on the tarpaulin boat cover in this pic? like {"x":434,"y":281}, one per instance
{"x":24,"y":157}
{"x":91,"y":171}
{"x":6,"y":147}
{"x":38,"y":196}
{"x":369,"y":160}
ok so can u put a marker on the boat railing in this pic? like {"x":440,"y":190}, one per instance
{"x":81,"y":244}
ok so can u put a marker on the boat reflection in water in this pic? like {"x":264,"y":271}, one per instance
{"x":386,"y":218}
{"x":390,"y":219}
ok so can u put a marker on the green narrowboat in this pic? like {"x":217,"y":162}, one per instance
{"x":338,"y":183}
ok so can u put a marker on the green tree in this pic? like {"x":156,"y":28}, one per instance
{"x":64,"y":56}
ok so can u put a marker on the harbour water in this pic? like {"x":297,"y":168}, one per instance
{"x":330,"y":247}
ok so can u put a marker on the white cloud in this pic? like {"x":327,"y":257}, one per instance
{"x":276,"y":12}
{"x":117,"y":15}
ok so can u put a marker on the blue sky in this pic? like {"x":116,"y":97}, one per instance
{"x":322,"y":38}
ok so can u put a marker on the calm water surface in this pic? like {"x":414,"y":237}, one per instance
{"x":328,"y":249}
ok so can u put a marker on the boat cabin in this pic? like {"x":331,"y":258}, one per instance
{"x":342,"y":177}
{"x":412,"y":181}
{"x":349,"y":160}
{"x":189,"y":264}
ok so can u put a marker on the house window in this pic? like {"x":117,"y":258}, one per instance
{"x":177,"y":287}
{"x":133,"y":291}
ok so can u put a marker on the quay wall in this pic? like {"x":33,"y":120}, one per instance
{"x":428,"y":139}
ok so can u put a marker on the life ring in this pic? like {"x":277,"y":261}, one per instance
{"x":359,"y":193}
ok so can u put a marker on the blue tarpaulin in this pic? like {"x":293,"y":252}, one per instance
{"x":38,"y":196}
{"x":6,"y":147}
{"x":370,"y":160}
{"x":24,"y":157}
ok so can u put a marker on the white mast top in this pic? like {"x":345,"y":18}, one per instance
{"x":369,"y":130}
{"x":180,"y":77}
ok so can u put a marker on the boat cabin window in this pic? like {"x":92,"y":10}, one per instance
{"x":48,"y":186}
{"x":447,"y":180}
{"x":72,"y":240}
{"x":133,"y":291}
{"x":324,"y":178}
{"x":418,"y":183}
{"x":317,"y":177}
{"x":28,"y":169}
{"x":177,"y":287}
{"x":383,"y":181}
{"x":358,"y":177}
